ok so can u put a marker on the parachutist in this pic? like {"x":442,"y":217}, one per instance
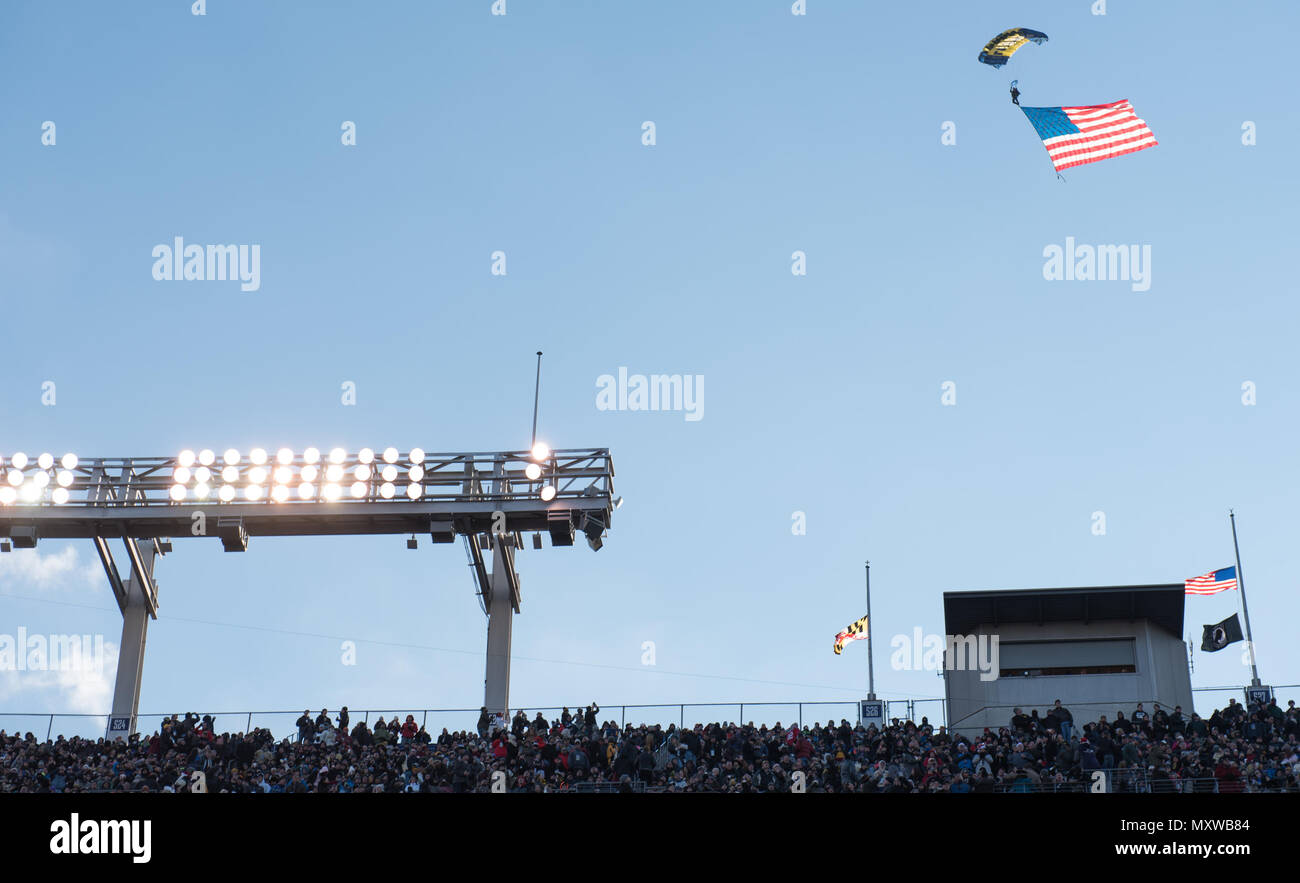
{"x":1015,"y":95}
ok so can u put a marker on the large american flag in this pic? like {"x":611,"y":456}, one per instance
{"x":1074,"y":136}
{"x":1211,"y":583}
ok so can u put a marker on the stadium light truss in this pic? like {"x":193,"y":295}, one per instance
{"x":489,"y":499}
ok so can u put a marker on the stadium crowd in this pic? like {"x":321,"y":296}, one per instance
{"x":1236,"y":749}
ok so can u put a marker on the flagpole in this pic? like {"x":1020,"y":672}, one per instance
{"x":871,"y":668}
{"x":1241,"y":587}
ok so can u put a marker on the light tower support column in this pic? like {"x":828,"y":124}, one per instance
{"x":138,"y":601}
{"x":501,"y":606}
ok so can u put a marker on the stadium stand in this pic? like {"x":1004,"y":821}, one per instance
{"x":1237,"y":749}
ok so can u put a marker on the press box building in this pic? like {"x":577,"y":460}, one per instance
{"x":1099,"y":650}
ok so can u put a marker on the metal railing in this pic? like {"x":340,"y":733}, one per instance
{"x":283,"y":724}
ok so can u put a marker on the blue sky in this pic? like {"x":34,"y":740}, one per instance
{"x":775,"y":133}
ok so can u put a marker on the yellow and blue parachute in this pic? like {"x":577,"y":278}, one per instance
{"x":1000,"y":49}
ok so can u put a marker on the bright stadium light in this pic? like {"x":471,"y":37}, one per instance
{"x":416,"y":473}
{"x":65,"y":478}
{"x":533,"y":471}
{"x":42,"y":480}
{"x":232,"y":457}
{"x":178,"y":492}
{"x":69,"y":461}
{"x":390,"y":455}
{"x":186,"y":458}
{"x":15,"y":477}
{"x":257,"y":456}
{"x":257,"y":475}
{"x":253,"y":492}
{"x":181,"y":475}
{"x":332,"y":491}
{"x":280,"y":493}
{"x":548,"y":493}
{"x":338,"y":455}
{"x":414,"y":491}
{"x":541,"y":451}
{"x":284,"y":456}
{"x":206,"y":457}
{"x":202,"y":490}
{"x":29,"y":492}
{"x":311,"y":455}
{"x":306,"y":491}
{"x":358,"y":489}
{"x":283,"y":475}
{"x":389,"y":473}
{"x":365,"y":455}
{"x":203,"y":475}
{"x":230,"y":474}
{"x":227,"y":493}
{"x":18,"y":460}
{"x":362,"y":473}
{"x":8,"y":495}
{"x":334,"y":473}
{"x":416,"y":456}
{"x":59,"y":496}
{"x":309,"y":473}
{"x":386,"y":490}
{"x":45,"y":461}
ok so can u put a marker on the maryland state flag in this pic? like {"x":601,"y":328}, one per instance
{"x":855,"y":632}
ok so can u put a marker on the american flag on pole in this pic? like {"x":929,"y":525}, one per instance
{"x":1075,"y":136}
{"x":1212,"y":583}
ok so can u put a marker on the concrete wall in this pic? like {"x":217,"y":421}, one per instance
{"x":1162,"y":677}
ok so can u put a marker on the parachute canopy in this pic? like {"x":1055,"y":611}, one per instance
{"x":1000,"y":49}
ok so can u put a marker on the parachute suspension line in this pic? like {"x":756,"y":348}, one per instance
{"x":1061,"y":177}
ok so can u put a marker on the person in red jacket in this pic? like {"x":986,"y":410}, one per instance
{"x":409,"y":728}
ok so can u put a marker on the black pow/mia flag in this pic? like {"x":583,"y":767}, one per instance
{"x":1217,"y":636}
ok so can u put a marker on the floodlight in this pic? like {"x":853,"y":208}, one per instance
{"x":541,"y":451}
{"x":416,"y":456}
{"x":227,"y":493}
{"x":181,"y":475}
{"x":280,"y":493}
{"x":358,"y":489}
{"x":202,"y":490}
{"x":386,"y":490}
{"x":206,"y":457}
{"x":253,"y":492}
{"x":45,"y":461}
{"x":362,"y":473}
{"x":309,"y":473}
{"x":65,"y":478}
{"x":15,"y":477}
{"x":258,"y":456}
{"x":415,"y":473}
{"x":306,"y":491}
{"x":8,"y":495}
{"x":311,"y":455}
{"x":232,"y":457}
{"x":334,"y":473}
{"x":283,"y":475}
{"x":338,"y":455}
{"x":18,"y":460}
{"x":230,"y":474}
{"x":284,"y":456}
{"x":332,"y":491}
{"x":257,"y":475}
{"x":60,"y":495}
{"x":414,"y":491}
{"x":389,"y":473}
{"x":186,"y":458}
{"x":42,"y":480}
{"x":29,"y":492}
{"x":365,"y":455}
{"x":203,"y":475}
{"x":390,"y":455}
{"x":69,"y":461}
{"x":178,"y":492}
{"x":533,"y":471}
{"x":548,"y":493}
